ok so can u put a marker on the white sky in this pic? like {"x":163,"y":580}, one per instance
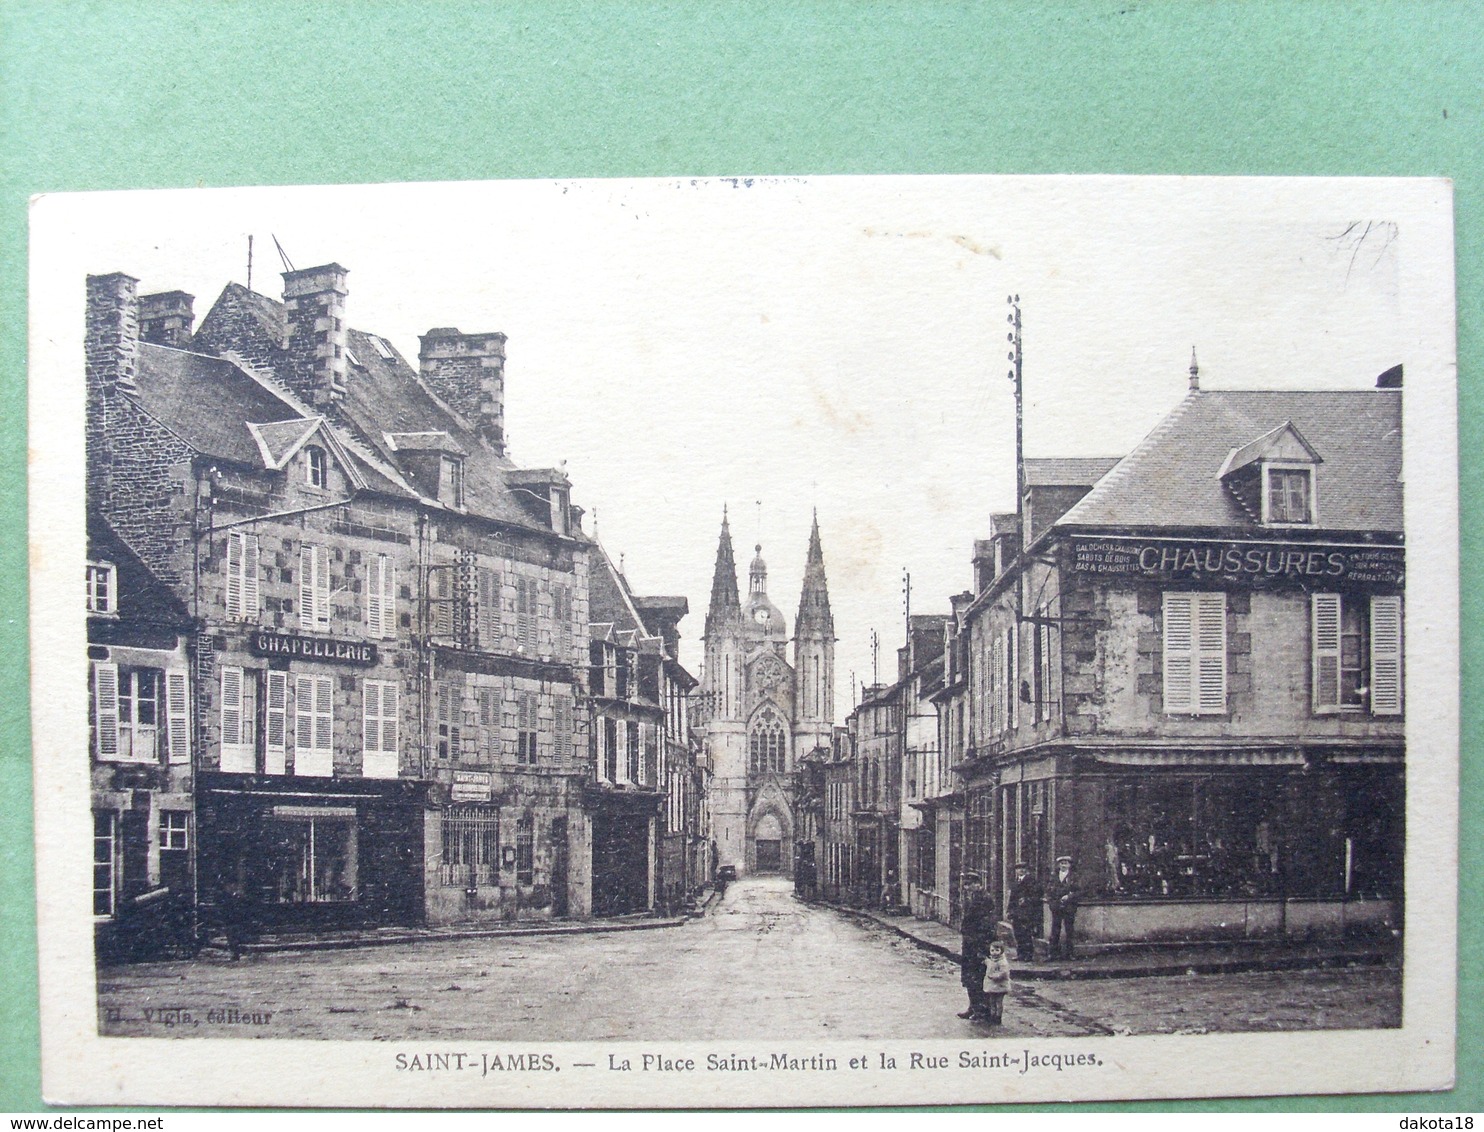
{"x":829,"y":342}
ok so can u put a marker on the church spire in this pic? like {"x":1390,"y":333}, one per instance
{"x":814,"y":600}
{"x":725,"y":602}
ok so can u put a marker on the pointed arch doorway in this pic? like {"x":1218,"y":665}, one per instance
{"x":768,"y":844}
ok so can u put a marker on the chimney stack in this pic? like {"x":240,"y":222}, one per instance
{"x":166,"y":318}
{"x":468,"y":372}
{"x":112,"y":333}
{"x":314,"y":300}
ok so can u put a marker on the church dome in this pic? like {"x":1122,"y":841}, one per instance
{"x":760,"y":615}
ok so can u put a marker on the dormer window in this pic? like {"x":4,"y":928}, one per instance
{"x":318,"y":467}
{"x":1288,"y":494}
{"x":1273,"y":478}
{"x":451,"y":482}
{"x":102,"y":588}
{"x":559,"y":510}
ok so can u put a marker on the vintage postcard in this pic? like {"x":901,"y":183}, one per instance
{"x":745,"y":641}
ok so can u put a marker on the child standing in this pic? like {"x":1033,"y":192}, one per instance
{"x":996,"y":983}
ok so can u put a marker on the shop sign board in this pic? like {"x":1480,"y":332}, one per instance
{"x":291,"y":646}
{"x":1236,"y":562}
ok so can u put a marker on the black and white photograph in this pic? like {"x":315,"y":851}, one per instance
{"x":745,"y":641}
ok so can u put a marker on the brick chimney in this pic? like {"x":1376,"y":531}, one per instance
{"x":314,"y":301}
{"x":468,"y":372}
{"x":166,"y":318}
{"x":112,"y":334}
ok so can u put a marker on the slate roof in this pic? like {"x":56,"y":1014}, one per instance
{"x":1070,"y":471}
{"x":1172,"y":478}
{"x":207,"y":402}
{"x":384,"y":395}
{"x":142,"y":597}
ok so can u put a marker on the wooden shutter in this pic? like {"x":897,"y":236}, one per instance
{"x":375,"y":568}
{"x":1210,"y":643}
{"x":1386,"y":655}
{"x":231,"y":710}
{"x":562,"y":722}
{"x":525,"y":613}
{"x":234,"y":575}
{"x":371,"y":716}
{"x":561,"y":613}
{"x":1179,"y":654}
{"x":106,"y":710}
{"x":324,"y":738}
{"x":275,"y":722}
{"x":1012,"y":672}
{"x":308,"y":568}
{"x":490,"y":583}
{"x":249,"y":567}
{"x":177,"y":716}
{"x":1325,"y":647}
{"x":389,"y":718}
{"x":303,"y":714}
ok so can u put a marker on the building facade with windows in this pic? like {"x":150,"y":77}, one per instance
{"x":393,"y":617}
{"x":760,"y":713}
{"x":1186,"y":674}
{"x":141,"y":643}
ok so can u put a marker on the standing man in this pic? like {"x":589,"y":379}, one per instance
{"x":1025,"y":912}
{"x":978,"y":930}
{"x":1061,"y":897}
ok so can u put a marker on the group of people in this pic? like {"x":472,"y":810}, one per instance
{"x":985,"y":964}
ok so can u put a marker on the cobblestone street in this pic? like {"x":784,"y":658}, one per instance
{"x":759,"y":965}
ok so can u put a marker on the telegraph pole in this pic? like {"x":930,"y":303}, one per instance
{"x":1015,"y":377}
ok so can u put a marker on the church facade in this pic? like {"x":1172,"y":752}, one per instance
{"x":764,"y":711}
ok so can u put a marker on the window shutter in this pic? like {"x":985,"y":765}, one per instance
{"x":1325,"y":644}
{"x":234,"y":575}
{"x":1210,"y":643}
{"x":1012,"y":682}
{"x":276,"y":721}
{"x":231,"y":707}
{"x":388,"y":596}
{"x":249,"y":566}
{"x":563,"y":726}
{"x":321,"y":588}
{"x":375,"y":572}
{"x":389,"y":718}
{"x":308,"y":561}
{"x":370,"y":716}
{"x":489,"y":608}
{"x":323,"y":714}
{"x":178,"y":716}
{"x":106,"y":709}
{"x":304,"y":714}
{"x":525,"y":614}
{"x":1386,"y":656}
{"x":1179,"y":654}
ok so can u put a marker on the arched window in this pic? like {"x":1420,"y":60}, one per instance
{"x":768,"y":744}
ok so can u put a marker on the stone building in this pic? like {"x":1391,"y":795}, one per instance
{"x":762,"y":714}
{"x":141,"y":644}
{"x":644,"y":792}
{"x":1185,"y":672}
{"x":393,"y":616}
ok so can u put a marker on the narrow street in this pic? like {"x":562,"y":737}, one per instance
{"x":759,"y":965}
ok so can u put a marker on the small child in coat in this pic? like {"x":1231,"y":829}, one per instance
{"x":996,"y":983}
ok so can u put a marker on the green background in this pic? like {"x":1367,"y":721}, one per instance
{"x":157,"y":93}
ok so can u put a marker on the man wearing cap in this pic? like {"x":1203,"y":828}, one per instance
{"x":977,"y":930}
{"x":1061,"y":898}
{"x":1025,"y":912}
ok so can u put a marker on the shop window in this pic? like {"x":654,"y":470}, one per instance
{"x":1357,"y":654}
{"x":1214,"y":836}
{"x":242,"y":576}
{"x":1194,"y":653}
{"x":312,"y":854}
{"x":105,"y":862}
{"x":525,"y":851}
{"x":102,"y":588}
{"x":471,"y":846}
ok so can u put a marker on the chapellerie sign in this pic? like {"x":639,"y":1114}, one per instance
{"x":289,"y":646}
{"x":1235,"y":562}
